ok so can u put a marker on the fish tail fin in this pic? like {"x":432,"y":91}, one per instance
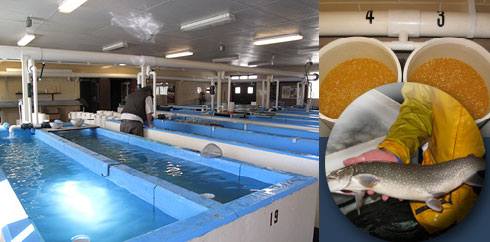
{"x":474,"y":180}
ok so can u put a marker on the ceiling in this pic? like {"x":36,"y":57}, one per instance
{"x":101,"y":22}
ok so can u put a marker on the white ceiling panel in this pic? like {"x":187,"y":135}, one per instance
{"x":100,"y":22}
{"x":289,"y":9}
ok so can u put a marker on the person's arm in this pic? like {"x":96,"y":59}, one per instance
{"x":149,"y":111}
{"x":149,"y":117}
{"x":412,"y":127}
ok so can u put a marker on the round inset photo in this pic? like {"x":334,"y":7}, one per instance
{"x":405,"y":162}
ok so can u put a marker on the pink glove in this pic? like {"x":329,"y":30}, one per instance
{"x":373,"y":155}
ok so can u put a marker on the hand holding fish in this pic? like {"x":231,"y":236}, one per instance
{"x":424,"y":183}
{"x":373,"y":155}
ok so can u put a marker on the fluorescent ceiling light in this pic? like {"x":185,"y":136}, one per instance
{"x":235,"y":77}
{"x":278,"y":39}
{"x":179,"y":54}
{"x":227,"y":59}
{"x":252,"y":77}
{"x":208,"y":22}
{"x":26,"y":39}
{"x":243,"y":77}
{"x":259,"y":63}
{"x":115,"y":46}
{"x":67,"y":6}
{"x":308,"y":50}
{"x":122,"y":64}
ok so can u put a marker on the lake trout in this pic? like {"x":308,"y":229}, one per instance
{"x":424,"y":183}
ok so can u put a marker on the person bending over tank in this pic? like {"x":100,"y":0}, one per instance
{"x":137,"y":110}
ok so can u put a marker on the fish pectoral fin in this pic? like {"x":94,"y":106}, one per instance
{"x":358,"y":196}
{"x":474,"y":180}
{"x":367,"y":180}
{"x":438,"y":194}
{"x":434,"y":204}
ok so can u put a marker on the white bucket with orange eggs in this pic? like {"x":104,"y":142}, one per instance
{"x":344,"y":49}
{"x":460,"y":49}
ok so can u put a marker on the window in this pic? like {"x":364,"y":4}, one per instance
{"x":250,"y":90}
{"x":237,"y":90}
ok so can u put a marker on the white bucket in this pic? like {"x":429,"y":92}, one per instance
{"x":464,"y":50}
{"x":41,"y":117}
{"x":344,"y":49}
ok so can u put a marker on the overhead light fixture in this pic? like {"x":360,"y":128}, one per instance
{"x":278,"y":39}
{"x":179,"y":54}
{"x":243,"y":77}
{"x":208,"y":22}
{"x":235,"y":77}
{"x":259,"y":63}
{"x":252,"y":77}
{"x":227,"y":59}
{"x":68,"y":6}
{"x":122,"y":64}
{"x":26,"y":39}
{"x":115,"y":46}
{"x":308,"y":50}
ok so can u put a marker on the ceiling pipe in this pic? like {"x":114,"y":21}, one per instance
{"x":33,"y":69}
{"x":42,"y":54}
{"x":415,"y":22}
{"x":128,"y":76}
{"x":403,"y":44}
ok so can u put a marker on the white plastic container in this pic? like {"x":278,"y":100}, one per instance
{"x":41,"y":117}
{"x":344,"y":49}
{"x":464,"y":50}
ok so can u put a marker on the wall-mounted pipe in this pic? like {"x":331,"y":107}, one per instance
{"x":33,"y":69}
{"x":154,"y":75}
{"x":42,"y":54}
{"x":143,"y":76}
{"x":26,"y":100}
{"x":268,"y":92}
{"x":138,"y":80}
{"x":415,"y":22}
{"x":302,"y":91}
{"x":298,"y":96}
{"x":221,"y":75}
{"x":277,"y":94}
{"x":229,"y":95}
{"x":12,"y":127}
{"x":212,"y":96}
{"x":262,"y":94}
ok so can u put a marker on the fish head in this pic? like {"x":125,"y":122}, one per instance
{"x":339,"y":180}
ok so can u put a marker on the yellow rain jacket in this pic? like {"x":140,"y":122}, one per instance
{"x":428,"y":114}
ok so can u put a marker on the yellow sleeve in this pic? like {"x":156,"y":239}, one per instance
{"x":414,"y":123}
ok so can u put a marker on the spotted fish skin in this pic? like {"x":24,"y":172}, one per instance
{"x":409,"y":182}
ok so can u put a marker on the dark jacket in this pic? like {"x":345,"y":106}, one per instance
{"x":135,"y":103}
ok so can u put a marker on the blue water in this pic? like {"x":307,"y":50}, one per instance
{"x":192,"y":176}
{"x":64,"y":199}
